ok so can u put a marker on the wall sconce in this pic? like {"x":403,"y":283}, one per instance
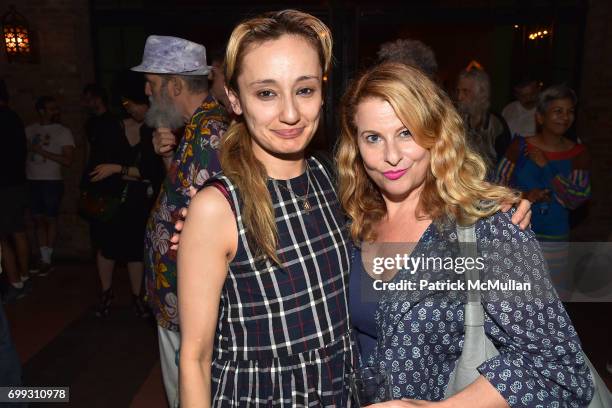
{"x":17,"y":36}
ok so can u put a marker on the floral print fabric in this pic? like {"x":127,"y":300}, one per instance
{"x":420,"y":333}
{"x":195,"y":160}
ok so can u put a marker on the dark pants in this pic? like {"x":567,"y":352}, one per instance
{"x":10,"y":367}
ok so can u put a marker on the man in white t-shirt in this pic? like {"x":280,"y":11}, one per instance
{"x":520,"y":114}
{"x":50,"y":146}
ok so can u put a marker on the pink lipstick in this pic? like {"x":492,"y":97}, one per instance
{"x":394,"y":175}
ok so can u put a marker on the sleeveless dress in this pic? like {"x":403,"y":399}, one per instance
{"x":283,"y":337}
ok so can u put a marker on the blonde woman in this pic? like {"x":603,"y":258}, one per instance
{"x":264,"y":259}
{"x":264,"y":254}
{"x":407,"y":176}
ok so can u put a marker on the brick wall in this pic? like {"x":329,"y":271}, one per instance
{"x":62,"y":38}
{"x":595,"y":118}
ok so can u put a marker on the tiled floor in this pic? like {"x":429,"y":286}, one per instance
{"x":114,"y":362}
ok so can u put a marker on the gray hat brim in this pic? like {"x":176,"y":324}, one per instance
{"x":146,"y":70}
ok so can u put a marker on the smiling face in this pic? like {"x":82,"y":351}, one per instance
{"x":391,"y":156}
{"x":280,"y":96}
{"x":559,"y":116}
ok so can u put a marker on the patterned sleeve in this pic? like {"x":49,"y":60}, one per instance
{"x":503,"y":175}
{"x":540,"y":361}
{"x":205,"y":151}
{"x":507,"y":164}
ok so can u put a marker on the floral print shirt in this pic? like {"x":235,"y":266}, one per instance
{"x":195,"y":160}
{"x":420,"y":332}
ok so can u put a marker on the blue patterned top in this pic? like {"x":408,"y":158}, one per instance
{"x":420,"y":332}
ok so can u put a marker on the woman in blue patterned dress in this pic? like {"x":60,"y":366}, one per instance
{"x":406,"y":176}
{"x":264,"y":256}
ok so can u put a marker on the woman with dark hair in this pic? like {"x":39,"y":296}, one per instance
{"x":552,"y":172}
{"x":137,"y":173}
{"x":550,"y":169}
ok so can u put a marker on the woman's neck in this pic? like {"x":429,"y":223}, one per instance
{"x":132,"y":131}
{"x":549,"y":141}
{"x":402,"y":222}
{"x":550,"y":138}
{"x":281,"y":167}
{"x":405,"y":208}
{"x":285,"y":169}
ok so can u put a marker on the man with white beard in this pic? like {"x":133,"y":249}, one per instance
{"x":487,"y":132}
{"x":176,"y":76}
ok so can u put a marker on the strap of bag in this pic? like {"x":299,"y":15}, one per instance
{"x":474,"y":315}
{"x":477,"y":348}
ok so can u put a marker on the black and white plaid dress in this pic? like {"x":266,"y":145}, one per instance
{"x":283,"y":334}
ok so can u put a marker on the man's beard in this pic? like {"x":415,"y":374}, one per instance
{"x":163,"y":113}
{"x":469,"y":108}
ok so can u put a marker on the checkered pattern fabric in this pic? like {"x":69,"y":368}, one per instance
{"x":283,"y":333}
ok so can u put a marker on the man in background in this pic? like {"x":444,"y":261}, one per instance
{"x":410,"y":52}
{"x":487,"y":132}
{"x":50,"y":146}
{"x":216,"y":79}
{"x":13,"y":238}
{"x":177,"y":84}
{"x":10,"y":367}
{"x":520,"y":114}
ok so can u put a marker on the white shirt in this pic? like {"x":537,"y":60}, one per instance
{"x":52,"y":138}
{"x":521,"y":121}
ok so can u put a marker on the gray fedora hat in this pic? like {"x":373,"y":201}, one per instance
{"x":172,"y":55}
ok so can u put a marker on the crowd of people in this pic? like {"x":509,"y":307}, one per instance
{"x":262,"y":304}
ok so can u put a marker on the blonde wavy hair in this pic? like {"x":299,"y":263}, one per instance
{"x":455,"y":186}
{"x":236,"y":154}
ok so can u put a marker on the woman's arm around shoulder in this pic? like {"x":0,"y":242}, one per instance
{"x":208,"y":242}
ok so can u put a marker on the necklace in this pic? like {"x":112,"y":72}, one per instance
{"x":302,"y":199}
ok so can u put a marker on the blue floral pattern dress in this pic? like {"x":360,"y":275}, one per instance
{"x":420,"y":332}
